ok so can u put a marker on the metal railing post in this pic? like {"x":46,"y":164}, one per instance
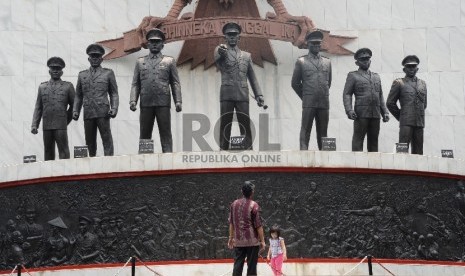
{"x":370,"y":266}
{"x":133,"y":266}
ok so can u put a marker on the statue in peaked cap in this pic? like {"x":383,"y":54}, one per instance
{"x":314,"y":36}
{"x":362,"y":85}
{"x":411,"y":93}
{"x":410,"y":60}
{"x":97,"y":92}
{"x":155,"y":34}
{"x":95,"y":49}
{"x":311,"y":81}
{"x":236,"y":70}
{"x":54,"y":103}
{"x":56,"y":62}
{"x":363,"y":53}
{"x":155,"y":78}
{"x":232,"y":27}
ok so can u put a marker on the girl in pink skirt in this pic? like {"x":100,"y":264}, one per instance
{"x":277,"y":251}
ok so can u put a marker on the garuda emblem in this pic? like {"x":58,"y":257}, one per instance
{"x":202,"y":31}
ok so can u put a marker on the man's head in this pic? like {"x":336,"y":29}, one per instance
{"x":31,"y":214}
{"x":232,"y":33}
{"x":10,"y":225}
{"x":84,"y":223}
{"x":410,"y":64}
{"x":56,"y":65}
{"x":381,"y":197}
{"x":95,"y":53}
{"x":247,"y":189}
{"x":155,"y":40}
{"x":363,"y":58}
{"x":119,"y":221}
{"x":313,"y":186}
{"x":314,"y":40}
{"x":135,"y":232}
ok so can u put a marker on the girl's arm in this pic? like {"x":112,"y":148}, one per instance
{"x":283,"y":247}
{"x":269,"y":252}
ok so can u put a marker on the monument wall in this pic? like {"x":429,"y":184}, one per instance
{"x":34,"y":30}
{"x":164,"y":207}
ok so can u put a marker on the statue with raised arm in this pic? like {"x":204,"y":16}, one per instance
{"x":236,"y":68}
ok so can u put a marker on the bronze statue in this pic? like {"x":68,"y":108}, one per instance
{"x":311,"y":81}
{"x":93,"y":88}
{"x":55,"y":105}
{"x":369,"y":102}
{"x":153,"y":76}
{"x":411,"y":93}
{"x":236,"y":67}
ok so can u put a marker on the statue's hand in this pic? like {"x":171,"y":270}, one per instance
{"x":132,"y":106}
{"x":386,"y":118}
{"x":75,"y":115}
{"x":34,"y":130}
{"x":352,"y":115}
{"x":260,"y":101}
{"x":178,"y":107}
{"x":223,"y":50}
{"x":112,"y":113}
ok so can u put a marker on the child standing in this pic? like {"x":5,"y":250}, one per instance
{"x":277,"y":251}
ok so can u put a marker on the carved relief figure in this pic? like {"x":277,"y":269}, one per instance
{"x":386,"y":222}
{"x":87,"y":250}
{"x":58,"y":246}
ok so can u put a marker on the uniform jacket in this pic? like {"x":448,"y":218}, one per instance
{"x":235,"y":70}
{"x":55,"y":104}
{"x":412,"y":97}
{"x":153,"y":77}
{"x":93,"y":91}
{"x":369,"y":100}
{"x":311,"y":80}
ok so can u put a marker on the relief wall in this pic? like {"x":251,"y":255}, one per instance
{"x":178,"y":217}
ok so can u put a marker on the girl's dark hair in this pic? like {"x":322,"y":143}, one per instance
{"x":275,"y":229}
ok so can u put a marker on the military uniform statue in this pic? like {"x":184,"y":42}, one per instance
{"x":236,"y":67}
{"x":369,"y":102}
{"x":410,"y":91}
{"x":54,"y":104}
{"x":153,"y":76}
{"x":311,"y":81}
{"x":97,"y":90}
